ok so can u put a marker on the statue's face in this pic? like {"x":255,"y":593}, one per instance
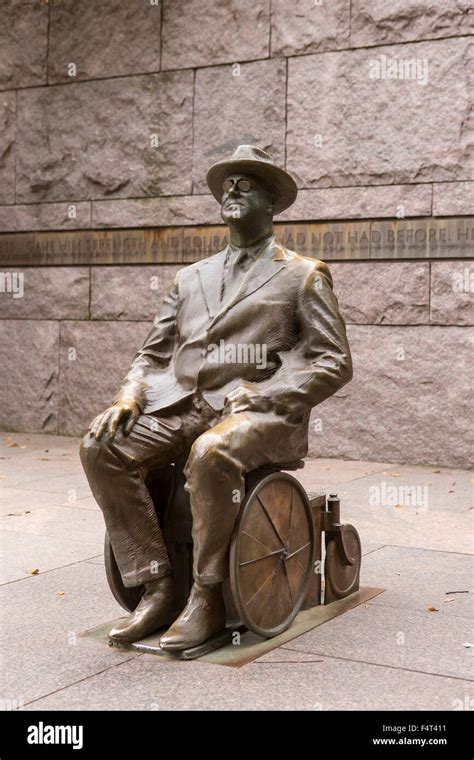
{"x":244,"y":198}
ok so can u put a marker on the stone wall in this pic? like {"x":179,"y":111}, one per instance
{"x":110,"y":114}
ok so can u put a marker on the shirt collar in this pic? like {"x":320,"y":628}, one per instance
{"x":255,"y":248}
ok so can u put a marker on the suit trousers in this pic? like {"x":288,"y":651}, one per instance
{"x":221,"y":450}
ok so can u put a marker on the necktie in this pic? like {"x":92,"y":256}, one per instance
{"x":238,"y":262}
{"x":236,"y":266}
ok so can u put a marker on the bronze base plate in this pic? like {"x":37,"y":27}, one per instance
{"x":228,"y":648}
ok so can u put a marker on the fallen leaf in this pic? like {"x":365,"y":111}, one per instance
{"x":12,"y":445}
{"x":60,"y":593}
{"x":432,"y":609}
{"x":34,"y":572}
{"x":398,"y":506}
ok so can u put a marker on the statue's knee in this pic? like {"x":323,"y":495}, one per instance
{"x":86,"y":446}
{"x":206,"y":455}
{"x":89,"y":450}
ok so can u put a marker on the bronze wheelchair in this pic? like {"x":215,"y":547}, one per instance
{"x":275,"y":554}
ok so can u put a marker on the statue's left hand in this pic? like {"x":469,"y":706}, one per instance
{"x":246,"y":399}
{"x":124,"y":413}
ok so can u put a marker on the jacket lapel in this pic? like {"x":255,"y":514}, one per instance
{"x":270,"y":261}
{"x":210,"y":279}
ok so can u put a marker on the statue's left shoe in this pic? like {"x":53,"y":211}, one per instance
{"x":203,"y":616}
{"x":156,"y":609}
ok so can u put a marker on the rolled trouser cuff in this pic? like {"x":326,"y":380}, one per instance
{"x":131,"y":579}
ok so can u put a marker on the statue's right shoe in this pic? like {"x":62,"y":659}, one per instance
{"x":155,"y":610}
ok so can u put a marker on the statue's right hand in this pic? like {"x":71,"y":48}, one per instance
{"x":123,"y":413}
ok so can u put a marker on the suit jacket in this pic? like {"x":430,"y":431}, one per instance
{"x":285,"y":304}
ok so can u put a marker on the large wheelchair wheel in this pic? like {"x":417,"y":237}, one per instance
{"x":128,"y":598}
{"x":272,"y":554}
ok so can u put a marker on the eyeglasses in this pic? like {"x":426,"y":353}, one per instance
{"x":242,"y":184}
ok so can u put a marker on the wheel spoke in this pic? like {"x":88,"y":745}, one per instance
{"x":244,"y":533}
{"x":297,"y":551}
{"x":288,"y":582}
{"x":264,"y":607}
{"x":264,"y":556}
{"x":270,"y":521}
{"x":299,"y":564}
{"x":291,"y":518}
{"x":270,"y":578}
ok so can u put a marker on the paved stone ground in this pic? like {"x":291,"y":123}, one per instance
{"x":407,"y":649}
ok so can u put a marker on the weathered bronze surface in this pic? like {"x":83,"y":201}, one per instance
{"x":331,"y":241}
{"x":244,"y":345}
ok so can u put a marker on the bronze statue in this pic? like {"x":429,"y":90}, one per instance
{"x":243,"y":346}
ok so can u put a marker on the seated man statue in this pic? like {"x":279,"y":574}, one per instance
{"x":243,"y":346}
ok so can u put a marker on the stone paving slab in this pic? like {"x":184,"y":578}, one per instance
{"x":70,"y":484}
{"x":436,"y":531}
{"x":18,"y":500}
{"x":14,"y":501}
{"x":433,"y":488}
{"x":58,"y":522}
{"x":40,"y":631}
{"x":147,"y":684}
{"x":87,"y":502}
{"x":416,"y":579}
{"x":419,"y":641}
{"x":99,"y":560}
{"x":26,"y":457}
{"x":23,"y":552}
{"x":325,"y":474}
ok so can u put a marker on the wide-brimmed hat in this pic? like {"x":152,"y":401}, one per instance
{"x":250,"y":160}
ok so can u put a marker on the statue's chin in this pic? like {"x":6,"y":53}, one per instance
{"x":234,"y":214}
